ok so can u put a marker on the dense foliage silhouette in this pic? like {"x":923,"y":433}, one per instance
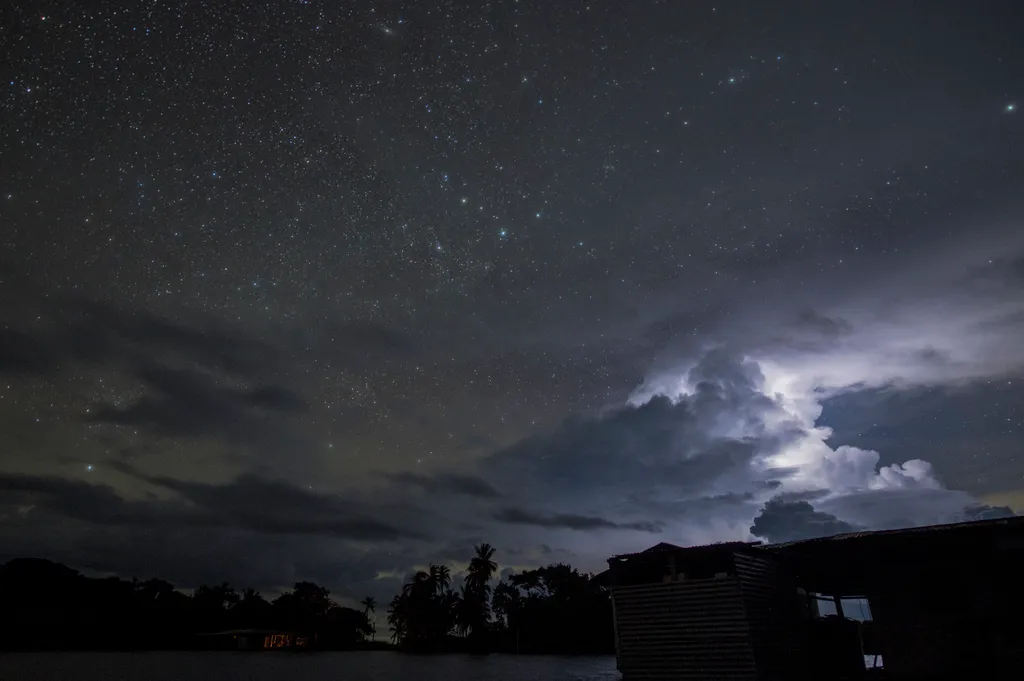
{"x":553,"y":609}
{"x":46,"y":605}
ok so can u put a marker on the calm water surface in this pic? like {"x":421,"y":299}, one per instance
{"x":354,"y":666}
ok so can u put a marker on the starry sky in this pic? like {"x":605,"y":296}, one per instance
{"x":330,"y":290}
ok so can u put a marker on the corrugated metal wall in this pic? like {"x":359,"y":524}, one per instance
{"x":683,"y":630}
{"x":772,"y":607}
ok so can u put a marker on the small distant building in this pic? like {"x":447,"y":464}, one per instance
{"x":257,"y":639}
{"x":934,"y":602}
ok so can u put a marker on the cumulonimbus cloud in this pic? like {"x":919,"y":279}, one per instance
{"x":705,"y":449}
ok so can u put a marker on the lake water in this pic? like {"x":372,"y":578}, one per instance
{"x":348,"y":666}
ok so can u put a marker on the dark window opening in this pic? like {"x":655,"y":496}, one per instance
{"x":824,"y":606}
{"x":854,"y":608}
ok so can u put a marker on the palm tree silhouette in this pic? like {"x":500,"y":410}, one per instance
{"x":442,"y":578}
{"x":547,"y":609}
{"x":482,"y":567}
{"x":419,"y":581}
{"x":397,"y":617}
{"x":369,"y":605}
{"x":477,"y":594}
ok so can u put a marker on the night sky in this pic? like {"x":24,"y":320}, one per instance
{"x":330,"y":290}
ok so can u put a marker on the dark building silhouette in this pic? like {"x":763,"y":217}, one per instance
{"x":924,"y":603}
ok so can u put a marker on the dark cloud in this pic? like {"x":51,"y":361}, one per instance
{"x":187,"y":403}
{"x":571,"y":521}
{"x":108,"y":328}
{"x":200,"y":380}
{"x":816,"y":322}
{"x":932,"y":356}
{"x":91,"y":503}
{"x":79,"y":329}
{"x":696,"y":510}
{"x":987,"y":512}
{"x":248,"y":503}
{"x":803,"y":495}
{"x":273,"y":506}
{"x":682,"y":446}
{"x":447,"y":483}
{"x":263,"y":534}
{"x":781,"y":521}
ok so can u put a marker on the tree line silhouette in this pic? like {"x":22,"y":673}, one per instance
{"x":553,"y":609}
{"x":46,"y":605}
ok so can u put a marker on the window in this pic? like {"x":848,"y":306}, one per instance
{"x":824,"y":606}
{"x":853,"y":607}
{"x":856,"y":608}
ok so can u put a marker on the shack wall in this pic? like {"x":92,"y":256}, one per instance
{"x":694,"y":629}
{"x":777,"y":632}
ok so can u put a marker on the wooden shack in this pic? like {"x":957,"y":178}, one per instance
{"x":922,"y":603}
{"x":708,"y":612}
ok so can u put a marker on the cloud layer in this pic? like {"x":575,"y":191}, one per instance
{"x":723,"y":439}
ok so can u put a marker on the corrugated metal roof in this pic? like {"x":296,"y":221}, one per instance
{"x":1017,"y":520}
{"x":665,"y":547}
